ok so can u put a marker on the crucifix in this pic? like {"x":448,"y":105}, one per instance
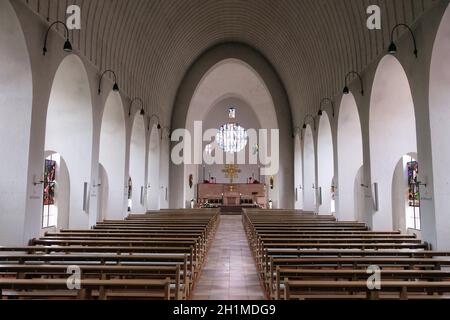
{"x":231,"y":172}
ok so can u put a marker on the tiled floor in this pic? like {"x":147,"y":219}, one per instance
{"x":229,"y":272}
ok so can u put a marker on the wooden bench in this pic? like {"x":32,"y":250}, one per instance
{"x":180,"y":290}
{"x":403,"y":290}
{"x":277,"y":286}
{"x":104,"y":289}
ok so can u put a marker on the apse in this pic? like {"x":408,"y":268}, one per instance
{"x":298,"y":168}
{"x":440,"y":122}
{"x":69,"y":132}
{"x":112,"y":158}
{"x":137,"y":164}
{"x":15,"y":123}
{"x":232,"y":83}
{"x":325,"y":162}
{"x":392,"y":134}
{"x":350,"y":160}
{"x":154,"y":189}
{"x":309,"y":171}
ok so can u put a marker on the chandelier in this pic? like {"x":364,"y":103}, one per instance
{"x":232,"y":138}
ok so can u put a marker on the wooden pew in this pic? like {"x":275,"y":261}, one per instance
{"x":350,"y":275}
{"x":296,"y":242}
{"x":101,"y":272}
{"x":141,"y":248}
{"x":403,"y":290}
{"x":156,"y":289}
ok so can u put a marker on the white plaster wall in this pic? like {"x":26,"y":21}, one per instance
{"x":399,"y":192}
{"x":154,"y":191}
{"x":392,"y":132}
{"x":325,"y":162}
{"x":350,"y":157}
{"x":360,"y":196}
{"x":309,"y":171}
{"x":137,"y":163}
{"x":112,"y":155}
{"x":298,"y":169}
{"x":15,"y":122}
{"x":440,"y":123}
{"x":69,"y":131}
{"x":164,"y":172}
{"x":62,"y":195}
{"x":103,"y":191}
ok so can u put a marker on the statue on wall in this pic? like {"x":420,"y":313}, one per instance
{"x":191,"y":181}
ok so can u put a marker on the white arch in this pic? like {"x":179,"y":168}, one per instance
{"x":112,"y":157}
{"x":15,"y":103}
{"x":325,"y":160}
{"x":230,"y":78}
{"x":298,"y":168}
{"x":309,"y":171}
{"x":440,"y":122}
{"x":392,"y":132}
{"x":154,"y":191}
{"x":137,"y":164}
{"x":69,"y":131}
{"x":350,"y":157}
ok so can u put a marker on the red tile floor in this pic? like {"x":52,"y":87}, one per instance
{"x":229,"y":272}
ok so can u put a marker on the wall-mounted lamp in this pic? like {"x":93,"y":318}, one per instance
{"x":346,"y":89}
{"x":142,"y":106}
{"x":168,"y":131}
{"x":150,"y":120}
{"x":67,"y":45}
{"x":97,"y":185}
{"x":115,"y":86}
{"x":393,"y":48}
{"x":308,"y":116}
{"x":330,"y":102}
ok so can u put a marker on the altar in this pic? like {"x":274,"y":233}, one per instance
{"x":231,"y":194}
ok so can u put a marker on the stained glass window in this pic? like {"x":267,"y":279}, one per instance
{"x":232,"y":138}
{"x":414,"y":195}
{"x":413,"y":200}
{"x":49,"y":208}
{"x":232,"y":112}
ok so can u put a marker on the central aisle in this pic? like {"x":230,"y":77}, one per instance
{"x":229,"y":272}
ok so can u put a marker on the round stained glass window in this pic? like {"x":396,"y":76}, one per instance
{"x":232,"y":138}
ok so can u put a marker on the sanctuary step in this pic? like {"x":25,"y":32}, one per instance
{"x":231,"y":210}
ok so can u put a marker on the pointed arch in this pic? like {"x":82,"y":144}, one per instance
{"x":309,"y":171}
{"x":392,"y":132}
{"x":439,"y":123}
{"x":298,"y":169}
{"x":112,"y":156}
{"x":154,"y":188}
{"x":137,"y":164}
{"x":16,"y":104}
{"x":69,"y":119}
{"x":350,"y":157}
{"x":325,"y":160}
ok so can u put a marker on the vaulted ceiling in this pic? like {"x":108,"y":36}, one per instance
{"x":151,"y":44}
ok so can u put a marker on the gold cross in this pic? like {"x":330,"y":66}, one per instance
{"x":231,"y":171}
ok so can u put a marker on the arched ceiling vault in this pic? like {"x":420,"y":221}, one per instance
{"x":151,"y":44}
